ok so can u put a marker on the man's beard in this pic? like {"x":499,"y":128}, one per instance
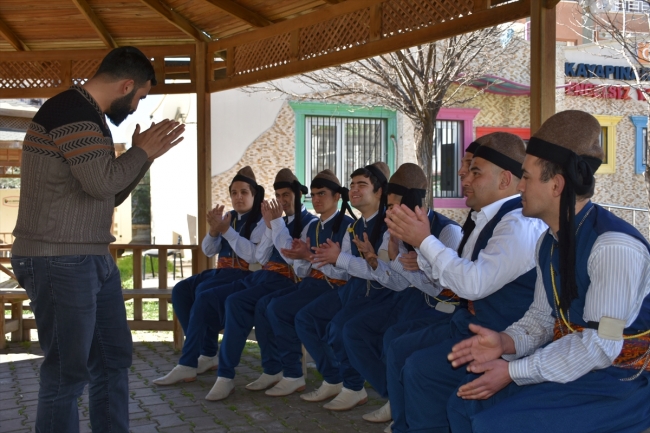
{"x":120,"y":108}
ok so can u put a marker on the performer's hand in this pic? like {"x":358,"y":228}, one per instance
{"x":411,"y":227}
{"x":266,"y":213}
{"x":299,"y":250}
{"x":495,"y":377}
{"x":275,"y":209}
{"x":326,"y":253}
{"x":218,"y":223}
{"x":366,"y":249}
{"x":409,"y":261}
{"x":485,"y":346}
{"x":393,"y":247}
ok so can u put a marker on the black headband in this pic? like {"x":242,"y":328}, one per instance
{"x":242,"y":178}
{"x":558,"y":154}
{"x":498,"y":158}
{"x":472,"y":147}
{"x":378,"y":174}
{"x":394,"y":188}
{"x":578,"y":172}
{"x":291,"y":185}
{"x":320,"y":182}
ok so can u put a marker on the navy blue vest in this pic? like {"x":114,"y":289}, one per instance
{"x":509,"y":304}
{"x":306,"y":218}
{"x":438,"y":221}
{"x":325,"y":231}
{"x":238,"y":225}
{"x":598,"y":221}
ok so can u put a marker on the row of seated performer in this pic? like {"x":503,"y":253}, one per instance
{"x":533,"y":316}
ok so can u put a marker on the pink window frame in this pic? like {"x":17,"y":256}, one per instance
{"x":466,"y":115}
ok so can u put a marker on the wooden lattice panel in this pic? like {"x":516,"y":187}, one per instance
{"x":83,"y":70}
{"x":402,"y":16}
{"x":266,"y":53}
{"x":30,"y":75}
{"x":337,"y":34}
{"x":14,"y":123}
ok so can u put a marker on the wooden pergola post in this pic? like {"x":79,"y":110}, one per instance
{"x":204,"y":147}
{"x":542,"y":62}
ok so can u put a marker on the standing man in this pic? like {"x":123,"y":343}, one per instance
{"x":578,"y":359}
{"x":71,"y":182}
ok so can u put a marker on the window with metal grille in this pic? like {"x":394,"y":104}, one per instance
{"x":343,"y":144}
{"x":447,"y":153}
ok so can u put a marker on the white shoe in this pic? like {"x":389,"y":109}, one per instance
{"x":221,"y":389}
{"x":380,"y":415}
{"x":389,"y":429}
{"x":207,"y":363}
{"x":286,"y":387}
{"x":264,"y":381}
{"x":347,"y":399}
{"x":180,"y":373}
{"x":326,"y":390}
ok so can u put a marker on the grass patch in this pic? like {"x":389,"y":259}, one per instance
{"x":149,"y":309}
{"x":125,"y":266}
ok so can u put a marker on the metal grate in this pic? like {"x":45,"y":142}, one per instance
{"x":342,"y":144}
{"x":447,"y":153}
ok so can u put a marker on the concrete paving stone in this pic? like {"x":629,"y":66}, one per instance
{"x":158,"y":409}
{"x":150,"y":400}
{"x":202,"y":421}
{"x":168,"y":420}
{"x":147,"y":428}
{"x":27,"y":396}
{"x":26,"y":388}
{"x":245,"y":429}
{"x":192,"y":411}
{"x":10,"y":413}
{"x":30,"y":381}
{"x":142,"y":392}
{"x":9,"y":425}
{"x":276,"y":427}
{"x":140,"y":420}
{"x":7,"y":397}
{"x":175,"y":429}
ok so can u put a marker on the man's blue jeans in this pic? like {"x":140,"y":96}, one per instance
{"x":81,"y":321}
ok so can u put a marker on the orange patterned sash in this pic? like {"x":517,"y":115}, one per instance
{"x":315,"y":273}
{"x":281,"y":268}
{"x":470,"y":307}
{"x":633,"y":354}
{"x":231,"y":263}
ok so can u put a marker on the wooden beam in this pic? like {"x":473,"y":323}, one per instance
{"x":242,"y":13}
{"x":177,"y":20}
{"x":550,"y":4}
{"x":542,"y":63}
{"x":333,"y":2}
{"x":482,"y":19}
{"x":11,"y":37}
{"x":95,"y":23}
{"x":204,"y":148}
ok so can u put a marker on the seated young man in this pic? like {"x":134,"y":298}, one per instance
{"x":234,"y":237}
{"x":495,"y":274}
{"x":275,"y":275}
{"x":578,"y":360}
{"x":275,"y":313}
{"x":319,"y":324}
{"x":363,"y":335}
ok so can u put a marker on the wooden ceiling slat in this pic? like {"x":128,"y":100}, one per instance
{"x":177,"y":20}
{"x":242,"y":13}
{"x":95,"y":23}
{"x":13,"y":40}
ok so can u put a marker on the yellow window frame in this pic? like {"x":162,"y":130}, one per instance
{"x":609,"y":122}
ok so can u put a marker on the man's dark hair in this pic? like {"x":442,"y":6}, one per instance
{"x":366,"y":173}
{"x":550,"y":169}
{"x":128,"y":63}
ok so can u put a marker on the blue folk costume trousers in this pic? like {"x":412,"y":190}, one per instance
{"x":364,"y":334}
{"x":184,"y":297}
{"x":598,"y":402}
{"x":421,"y":388}
{"x":281,"y":313}
{"x":240,"y":318}
{"x":320,"y":328}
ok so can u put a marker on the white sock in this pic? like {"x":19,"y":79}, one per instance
{"x":223,"y":379}
{"x":206,"y":357}
{"x":291,"y":379}
{"x":185,"y":367}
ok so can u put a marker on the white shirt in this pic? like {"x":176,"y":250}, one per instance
{"x":395,"y":277}
{"x":509,"y":253}
{"x":619,"y":269}
{"x":243,"y":247}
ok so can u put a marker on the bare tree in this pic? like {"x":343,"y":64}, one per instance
{"x":417,"y":81}
{"x":622,"y":27}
